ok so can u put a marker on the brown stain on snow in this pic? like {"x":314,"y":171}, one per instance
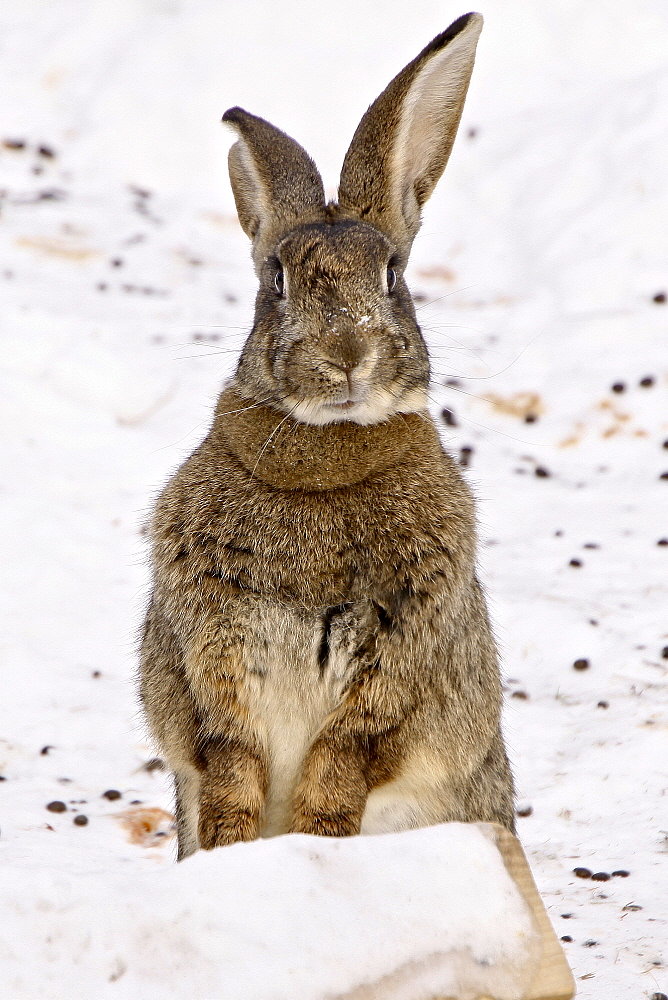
{"x":147,"y":826}
{"x":520,"y":404}
{"x":53,"y":247}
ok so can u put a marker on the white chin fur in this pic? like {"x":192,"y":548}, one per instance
{"x":380,"y":405}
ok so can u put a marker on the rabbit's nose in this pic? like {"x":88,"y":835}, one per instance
{"x":356,"y":372}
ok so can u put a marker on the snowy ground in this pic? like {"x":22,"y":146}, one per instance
{"x":542,"y":280}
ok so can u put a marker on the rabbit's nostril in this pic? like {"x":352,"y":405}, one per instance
{"x":345,"y":366}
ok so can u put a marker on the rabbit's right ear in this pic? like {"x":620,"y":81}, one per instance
{"x":404,"y":140}
{"x":274,"y":180}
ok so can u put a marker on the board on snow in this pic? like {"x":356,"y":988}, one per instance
{"x":551,"y":979}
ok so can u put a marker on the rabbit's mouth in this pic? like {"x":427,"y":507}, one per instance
{"x":377,"y":406}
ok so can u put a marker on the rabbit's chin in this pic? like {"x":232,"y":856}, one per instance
{"x":378,"y":406}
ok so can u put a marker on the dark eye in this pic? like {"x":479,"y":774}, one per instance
{"x":279,"y":282}
{"x":391,"y":279}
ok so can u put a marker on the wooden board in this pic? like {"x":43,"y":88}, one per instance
{"x":552,"y":978}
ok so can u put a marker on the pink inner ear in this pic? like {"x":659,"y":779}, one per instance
{"x":429,"y":120}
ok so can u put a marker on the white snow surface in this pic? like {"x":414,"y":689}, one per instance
{"x":127,"y":290}
{"x":282,"y":918}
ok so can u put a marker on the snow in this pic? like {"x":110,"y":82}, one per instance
{"x":286,"y":917}
{"x":127,"y":289}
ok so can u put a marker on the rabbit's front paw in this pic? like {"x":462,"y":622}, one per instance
{"x":339,"y":824}
{"x":232,"y":791}
{"x":331,"y":795}
{"x":219,"y":825}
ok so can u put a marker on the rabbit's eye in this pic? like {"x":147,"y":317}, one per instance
{"x":279,"y":282}
{"x":391,"y":279}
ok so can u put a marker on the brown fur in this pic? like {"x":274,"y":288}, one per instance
{"x":317,"y":655}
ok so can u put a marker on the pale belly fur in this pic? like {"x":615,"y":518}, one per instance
{"x":289,"y":694}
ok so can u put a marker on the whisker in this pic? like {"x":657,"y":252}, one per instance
{"x":447,"y":295}
{"x":243,"y":409}
{"x":267,"y":442}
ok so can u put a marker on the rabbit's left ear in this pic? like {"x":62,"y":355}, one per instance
{"x":404,"y":140}
{"x":274,"y":180}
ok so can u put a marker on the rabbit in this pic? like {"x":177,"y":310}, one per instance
{"x":317,"y":656}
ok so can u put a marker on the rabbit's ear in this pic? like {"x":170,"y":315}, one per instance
{"x":274,"y":180}
{"x":404,"y":140}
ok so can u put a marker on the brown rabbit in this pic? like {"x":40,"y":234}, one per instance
{"x":317,"y":656}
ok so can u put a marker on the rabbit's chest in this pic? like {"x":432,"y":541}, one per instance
{"x":296,"y":674}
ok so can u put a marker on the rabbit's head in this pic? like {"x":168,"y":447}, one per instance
{"x":335,"y":335}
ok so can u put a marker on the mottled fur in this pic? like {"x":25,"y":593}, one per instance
{"x":317,"y":655}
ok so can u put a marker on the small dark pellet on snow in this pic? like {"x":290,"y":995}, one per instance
{"x":621,"y":873}
{"x":618,"y":387}
{"x":590,"y":943}
{"x":647,"y":382}
{"x":541,"y":472}
{"x":662,"y":541}
{"x":522,"y":695}
{"x":601,"y":877}
{"x":665,"y":444}
{"x":582,"y":872}
{"x":525,"y":811}
{"x":664,"y":653}
{"x":111,"y":794}
{"x":530,"y":418}
{"x":566,"y":937}
{"x":80,"y":820}
{"x":44,"y":751}
{"x":448,"y":417}
{"x":575,"y":562}
{"x":465,"y":456}
{"x":658,"y":996}
{"x":664,"y":475}
{"x":56,"y":806}
{"x":603,"y":704}
{"x":46,"y":152}
{"x":581,"y":665}
{"x":660,"y":299}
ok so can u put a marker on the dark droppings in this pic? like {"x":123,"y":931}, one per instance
{"x":56,"y":806}
{"x":80,"y":820}
{"x":582,"y":872}
{"x":581,"y":665}
{"x":601,"y":877}
{"x":618,"y":387}
{"x":112,"y":794}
